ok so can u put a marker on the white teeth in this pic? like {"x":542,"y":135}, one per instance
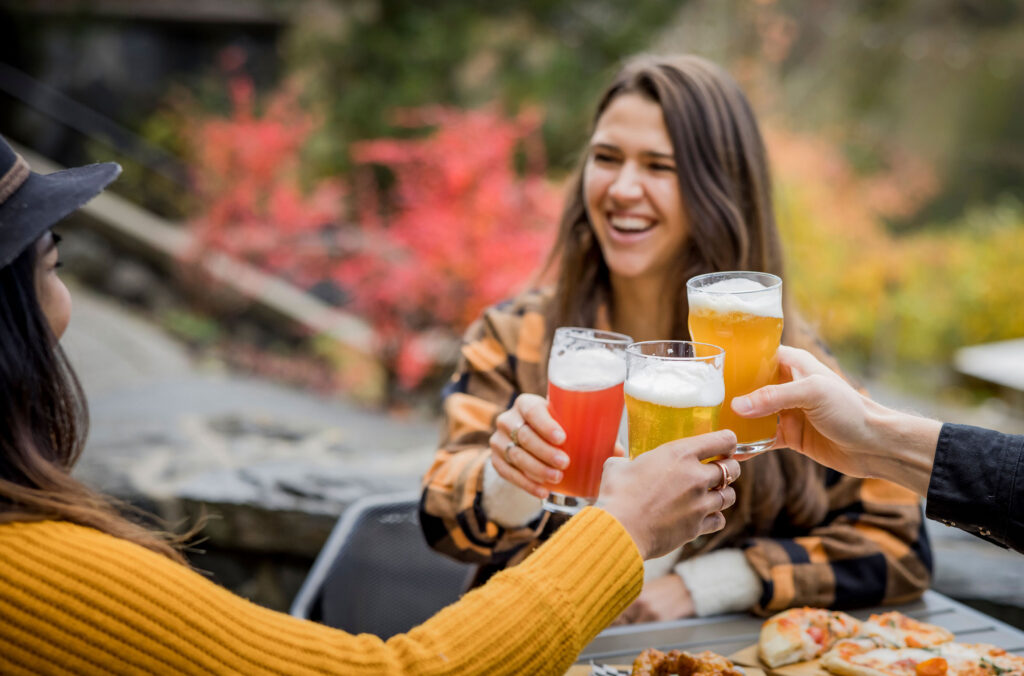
{"x":632,"y":223}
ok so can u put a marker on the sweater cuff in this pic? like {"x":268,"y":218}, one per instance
{"x":720,"y":582}
{"x":595,"y":563}
{"x":505,"y":503}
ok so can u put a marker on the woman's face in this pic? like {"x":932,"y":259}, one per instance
{"x":631,"y":190}
{"x":54,"y":297}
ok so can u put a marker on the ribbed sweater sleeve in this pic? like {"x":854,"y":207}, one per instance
{"x":77,"y":601}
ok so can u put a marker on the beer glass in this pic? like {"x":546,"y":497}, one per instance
{"x":742,"y":312}
{"x":674,"y":389}
{"x":586,"y":370}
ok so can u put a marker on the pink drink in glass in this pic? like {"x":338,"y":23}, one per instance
{"x":586,"y":373}
{"x":591,"y":423}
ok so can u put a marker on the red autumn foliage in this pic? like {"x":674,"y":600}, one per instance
{"x":247,"y":173}
{"x":457,"y":229}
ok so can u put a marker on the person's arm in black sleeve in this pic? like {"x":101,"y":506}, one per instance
{"x":977,"y":484}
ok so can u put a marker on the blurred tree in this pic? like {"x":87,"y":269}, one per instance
{"x":362,"y":58}
{"x":455,"y":228}
{"x":942,"y":80}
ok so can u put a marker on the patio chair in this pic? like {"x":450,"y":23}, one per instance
{"x":376,"y":574}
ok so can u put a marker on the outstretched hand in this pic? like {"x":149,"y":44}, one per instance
{"x":823,"y":417}
{"x":820,"y":414}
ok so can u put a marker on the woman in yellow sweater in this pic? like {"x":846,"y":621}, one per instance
{"x":84,"y":591}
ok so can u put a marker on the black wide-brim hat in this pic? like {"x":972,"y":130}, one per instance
{"x":31,"y":203}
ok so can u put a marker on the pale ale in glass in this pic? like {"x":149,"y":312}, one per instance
{"x":742,"y":313}
{"x":586,"y":370}
{"x":674,"y":389}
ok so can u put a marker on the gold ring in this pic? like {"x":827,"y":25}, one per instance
{"x":725,"y":479}
{"x":508,"y":447}
{"x":515,"y":433}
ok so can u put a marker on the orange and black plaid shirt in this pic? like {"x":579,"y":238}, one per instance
{"x":870,"y":547}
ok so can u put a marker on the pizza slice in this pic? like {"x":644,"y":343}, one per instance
{"x":801,"y":634}
{"x":991,"y":660}
{"x":864,"y":657}
{"x":896,"y":630}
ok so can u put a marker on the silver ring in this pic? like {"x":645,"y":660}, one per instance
{"x":515,"y":433}
{"x":508,"y":447}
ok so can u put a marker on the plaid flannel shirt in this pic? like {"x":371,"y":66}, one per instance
{"x":871,"y":548}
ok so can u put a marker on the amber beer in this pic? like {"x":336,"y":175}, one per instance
{"x":742,"y":313}
{"x":586,"y":370}
{"x":674,"y":389}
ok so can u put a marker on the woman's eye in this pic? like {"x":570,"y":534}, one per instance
{"x":604,"y":157}
{"x":663,"y":167}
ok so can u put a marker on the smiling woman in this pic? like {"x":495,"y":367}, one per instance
{"x":632,"y":191}
{"x":674,"y":183}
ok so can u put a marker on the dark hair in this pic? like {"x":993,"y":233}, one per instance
{"x":723,"y":179}
{"x":44,"y":420}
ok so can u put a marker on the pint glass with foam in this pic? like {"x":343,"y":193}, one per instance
{"x":674,"y":389}
{"x":742,"y":313}
{"x":586,"y":370}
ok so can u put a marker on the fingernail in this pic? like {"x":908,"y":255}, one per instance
{"x":562,"y":460}
{"x":558,"y":436}
{"x":742,"y":405}
{"x":554,"y":476}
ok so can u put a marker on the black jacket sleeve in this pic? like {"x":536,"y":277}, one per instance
{"x":977,"y":484}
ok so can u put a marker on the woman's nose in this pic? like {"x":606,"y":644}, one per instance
{"x":626,"y":186}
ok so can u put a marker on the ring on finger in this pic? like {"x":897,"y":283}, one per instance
{"x":515,"y":433}
{"x":505,"y":452}
{"x":726,"y":477}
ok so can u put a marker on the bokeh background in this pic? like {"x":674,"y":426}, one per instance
{"x":402,"y":164}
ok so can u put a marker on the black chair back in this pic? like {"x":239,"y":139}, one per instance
{"x":376,"y":573}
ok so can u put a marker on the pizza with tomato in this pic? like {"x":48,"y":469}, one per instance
{"x":896,"y":630}
{"x":801,"y":634}
{"x":865,"y":657}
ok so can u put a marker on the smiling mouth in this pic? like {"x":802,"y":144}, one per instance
{"x":630,"y":225}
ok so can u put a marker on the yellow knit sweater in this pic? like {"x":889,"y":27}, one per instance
{"x":77,"y":601}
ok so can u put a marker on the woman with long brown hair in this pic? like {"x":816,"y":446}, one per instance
{"x":83,"y":590}
{"x":674,"y":183}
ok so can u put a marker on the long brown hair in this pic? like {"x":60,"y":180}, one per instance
{"x":44,"y":420}
{"x":723,"y":179}
{"x":726,"y":190}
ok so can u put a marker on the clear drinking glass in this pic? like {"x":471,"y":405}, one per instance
{"x":586,"y":370}
{"x":674,"y":389}
{"x":742,"y":312}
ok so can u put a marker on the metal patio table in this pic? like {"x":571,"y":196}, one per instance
{"x":727,"y":634}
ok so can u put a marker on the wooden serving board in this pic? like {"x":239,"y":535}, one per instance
{"x":749,"y":659}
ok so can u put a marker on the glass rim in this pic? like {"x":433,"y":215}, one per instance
{"x":776,"y":282}
{"x":586,"y":333}
{"x":634,"y":349}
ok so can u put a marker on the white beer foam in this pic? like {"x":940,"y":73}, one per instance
{"x":733,"y":295}
{"x":588,"y":369}
{"x":679,"y":384}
